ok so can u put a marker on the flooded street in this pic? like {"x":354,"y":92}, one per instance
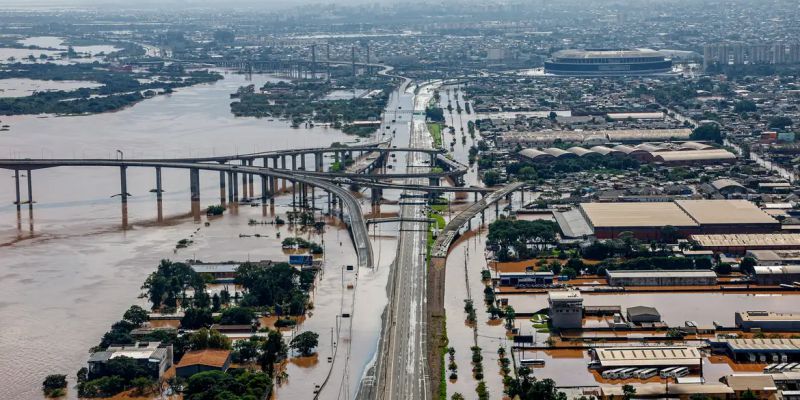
{"x":70,"y":272}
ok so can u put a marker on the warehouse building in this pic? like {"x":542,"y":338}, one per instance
{"x":768,"y":321}
{"x":690,"y":217}
{"x":662,"y":278}
{"x":740,"y":243}
{"x":651,"y":356}
{"x":775,"y":257}
{"x":777,"y":274}
{"x":642,"y":314}
{"x":526,"y":279}
{"x":759,"y":350}
{"x":566,"y":309}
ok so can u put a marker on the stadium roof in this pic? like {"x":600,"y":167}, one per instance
{"x":709,"y":212}
{"x":606,"y":53}
{"x":629,"y":215}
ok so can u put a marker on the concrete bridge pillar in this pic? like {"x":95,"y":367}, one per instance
{"x":475,"y":196}
{"x":222,"y":189}
{"x":283,"y":166}
{"x":375,"y":195}
{"x":433,"y":181}
{"x":30,"y":190}
{"x":329,"y":204}
{"x":318,"y":162}
{"x":266,"y":162}
{"x":16,"y":183}
{"x":271,"y":185}
{"x":294,"y":162}
{"x":303,"y":162}
{"x":496,"y":209}
{"x":123,"y":183}
{"x":313,"y":200}
{"x":264,"y":192}
{"x":250,"y":179}
{"x":433,"y":159}
{"x":194,"y":185}
{"x":244,"y":181}
{"x":235,"y":183}
{"x":510,"y":199}
{"x":294,"y":198}
{"x":232,"y":183}
{"x":159,"y":195}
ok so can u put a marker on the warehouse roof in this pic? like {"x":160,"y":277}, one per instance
{"x":752,"y":381}
{"x":679,"y":273}
{"x":707,"y":212}
{"x":636,"y":215}
{"x":762,"y":344}
{"x":695,"y":155}
{"x":777,"y":269}
{"x":636,"y":311}
{"x":534,"y":154}
{"x":647,"y":356}
{"x":655,"y":389}
{"x":764,"y":240}
{"x":768,"y":316}
{"x":726,"y":183}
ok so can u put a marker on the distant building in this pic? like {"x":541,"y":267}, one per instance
{"x":154,"y":356}
{"x":526,"y":279}
{"x":647,"y":356}
{"x":607,"y":62}
{"x":759,"y":350}
{"x":768,"y":321}
{"x":740,"y":243}
{"x":566,"y":309}
{"x":198,"y":361}
{"x":221,"y":273}
{"x":661,"y":278}
{"x":775,"y":257}
{"x":657,"y":390}
{"x":761,"y":385}
{"x":778,"y":274}
{"x":643,"y":314}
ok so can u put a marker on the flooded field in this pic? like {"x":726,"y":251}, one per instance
{"x":54,"y":42}
{"x":21,"y":87}
{"x":71,"y":267}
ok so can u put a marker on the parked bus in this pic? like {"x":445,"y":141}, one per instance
{"x":611,"y":373}
{"x":648,"y":373}
{"x":683,"y":371}
{"x":667,"y":372}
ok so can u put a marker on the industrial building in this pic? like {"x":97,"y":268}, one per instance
{"x":759,"y":350}
{"x":657,"y":390}
{"x":155,"y":357}
{"x":777,"y":274}
{"x":566,"y":309}
{"x":221,"y":273}
{"x":740,"y":243}
{"x":607,"y":62}
{"x":775,"y":257}
{"x":650,"y":356}
{"x":662,"y":278}
{"x":768,"y":321}
{"x":689,"y":217}
{"x":642,"y":314}
{"x":526,"y":279}
{"x":644,"y":153}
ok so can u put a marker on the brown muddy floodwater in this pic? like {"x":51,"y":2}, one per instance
{"x":69,"y":272}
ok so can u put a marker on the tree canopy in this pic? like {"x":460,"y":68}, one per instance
{"x":523,"y":238}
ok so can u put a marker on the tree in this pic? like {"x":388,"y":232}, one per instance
{"x":305,"y":343}
{"x":744,"y":106}
{"x":232,"y":385}
{"x":628,"y":391}
{"x":54,"y":385}
{"x":532,"y":389}
{"x":237,"y":316}
{"x":245,"y":351}
{"x":749,"y":395}
{"x":709,"y":132}
{"x":669,"y":233}
{"x":780,"y":122}
{"x":209,"y":339}
{"x":703,"y":263}
{"x":273,"y":350}
{"x":723,"y":268}
{"x":136,"y":315}
{"x":195,"y":318}
{"x":748,"y":265}
{"x":491,"y":178}
{"x":142,"y":385}
{"x":215,"y":303}
{"x":510,"y":316}
{"x":569,"y":273}
{"x":457,"y":396}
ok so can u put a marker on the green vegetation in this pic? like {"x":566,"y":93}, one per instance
{"x":54,"y":385}
{"x":119,"y":88}
{"x":305,"y":343}
{"x":215,"y":210}
{"x":440,"y":223}
{"x":434,"y":114}
{"x":520,"y":240}
{"x":532,"y":389}
{"x":710,"y":132}
{"x":469,"y":308}
{"x":279,"y":287}
{"x":302,"y":102}
{"x":436,"y":133}
{"x":300,"y":243}
{"x":236,"y":384}
{"x":529,"y":172}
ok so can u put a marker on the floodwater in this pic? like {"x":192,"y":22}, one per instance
{"x":53,"y":42}
{"x":21,"y":87}
{"x":676,"y":308}
{"x":70,"y":271}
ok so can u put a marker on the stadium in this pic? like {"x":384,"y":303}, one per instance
{"x":607,"y":62}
